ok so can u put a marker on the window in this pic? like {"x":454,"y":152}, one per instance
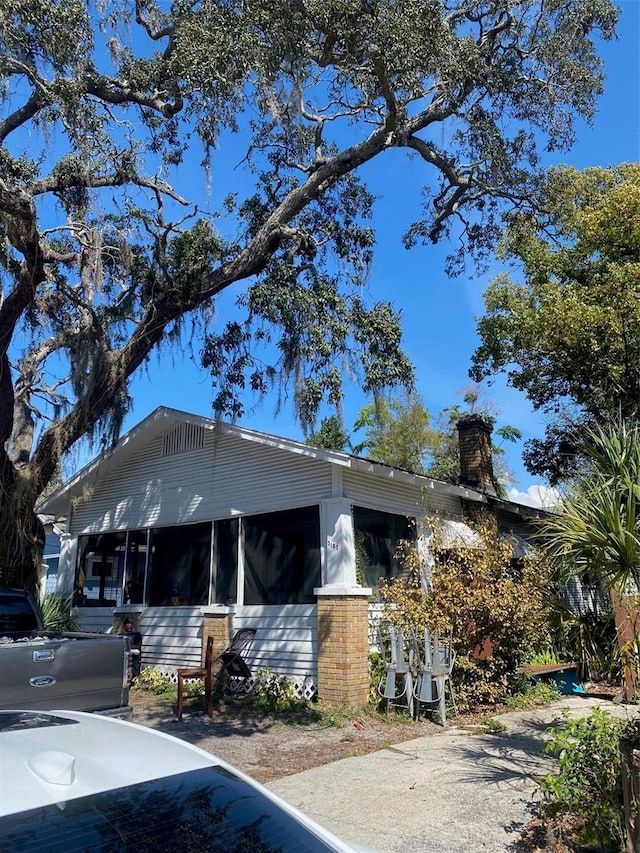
{"x":282,"y":557}
{"x":99,"y":570}
{"x":178,"y":565}
{"x":377,"y":535}
{"x":209,"y":809}
{"x":173,"y":562}
{"x":16,"y":613}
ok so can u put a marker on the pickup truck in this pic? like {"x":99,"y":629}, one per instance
{"x":43,"y":671}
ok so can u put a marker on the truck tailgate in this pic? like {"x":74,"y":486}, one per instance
{"x":64,"y":674}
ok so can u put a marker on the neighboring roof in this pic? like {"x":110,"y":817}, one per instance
{"x":157,"y":422}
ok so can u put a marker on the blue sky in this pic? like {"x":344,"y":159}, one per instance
{"x":438,"y":313}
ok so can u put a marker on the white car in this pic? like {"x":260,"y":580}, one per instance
{"x":71,"y":781}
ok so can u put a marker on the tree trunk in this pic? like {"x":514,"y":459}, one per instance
{"x":21,"y":532}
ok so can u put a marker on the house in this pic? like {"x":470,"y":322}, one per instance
{"x":194,"y":527}
{"x":52,"y":528}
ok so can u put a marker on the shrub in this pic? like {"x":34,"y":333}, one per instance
{"x":153,"y":681}
{"x":497,"y":607}
{"x":55,"y":611}
{"x":275,"y":694}
{"x":376,"y":675}
{"x":532,"y":695}
{"x":588,"y":783}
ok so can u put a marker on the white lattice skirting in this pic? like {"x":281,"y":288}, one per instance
{"x":305,"y":688}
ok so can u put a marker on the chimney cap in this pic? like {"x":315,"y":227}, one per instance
{"x":475,"y":420}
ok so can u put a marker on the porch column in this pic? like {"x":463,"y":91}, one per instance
{"x":343,"y":644}
{"x":217,"y":623}
{"x":66,"y":566}
{"x":337,"y":543}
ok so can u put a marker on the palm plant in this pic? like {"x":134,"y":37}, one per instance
{"x":597,"y":532}
{"x":56,"y":612}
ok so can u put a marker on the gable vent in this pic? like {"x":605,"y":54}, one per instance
{"x":183,"y":437}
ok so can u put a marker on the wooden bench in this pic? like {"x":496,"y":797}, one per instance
{"x":553,"y":672}
{"x":546,"y":669}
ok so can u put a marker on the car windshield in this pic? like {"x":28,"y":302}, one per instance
{"x":203,"y":810}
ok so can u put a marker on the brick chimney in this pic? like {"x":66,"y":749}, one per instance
{"x":476,"y":459}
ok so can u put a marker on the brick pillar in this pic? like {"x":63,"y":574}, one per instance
{"x":216,"y":623}
{"x":343,"y":645}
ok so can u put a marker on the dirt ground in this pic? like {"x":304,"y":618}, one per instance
{"x":268,"y":749}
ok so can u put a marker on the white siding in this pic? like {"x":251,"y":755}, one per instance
{"x":99,"y":619}
{"x":285,"y":641}
{"x":171,"y":636}
{"x":228,"y":476}
{"x":391,"y":495}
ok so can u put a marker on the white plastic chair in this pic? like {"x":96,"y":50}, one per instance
{"x":397,"y":667}
{"x":434,"y":672}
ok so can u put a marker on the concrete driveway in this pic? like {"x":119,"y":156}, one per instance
{"x":452,"y":792}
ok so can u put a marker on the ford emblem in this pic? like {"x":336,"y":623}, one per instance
{"x":42,"y":681}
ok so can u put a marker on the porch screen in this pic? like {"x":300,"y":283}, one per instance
{"x":137,"y":548}
{"x":99,"y":570}
{"x":377,"y":535}
{"x":226,"y":560}
{"x":178,"y":567}
{"x":282,"y":556}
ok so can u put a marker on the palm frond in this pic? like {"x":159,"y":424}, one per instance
{"x":56,"y":613}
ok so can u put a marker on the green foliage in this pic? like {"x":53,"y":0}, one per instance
{"x":494,"y":727}
{"x":588,"y":783}
{"x":589,"y":639}
{"x":569,"y":335}
{"x":533,"y":695}
{"x":154,"y":682}
{"x":546,"y":657}
{"x":330,"y":717}
{"x":55,"y":611}
{"x":331,"y":434}
{"x":399,"y":432}
{"x":498,"y":609}
{"x":597,"y":533}
{"x":275,"y":695}
{"x":194,"y":688}
{"x":376,"y":676}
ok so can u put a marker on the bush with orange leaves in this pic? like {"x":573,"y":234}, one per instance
{"x":498,"y":607}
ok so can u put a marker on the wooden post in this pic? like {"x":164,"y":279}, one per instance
{"x":627,"y":621}
{"x":630,"y":765}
